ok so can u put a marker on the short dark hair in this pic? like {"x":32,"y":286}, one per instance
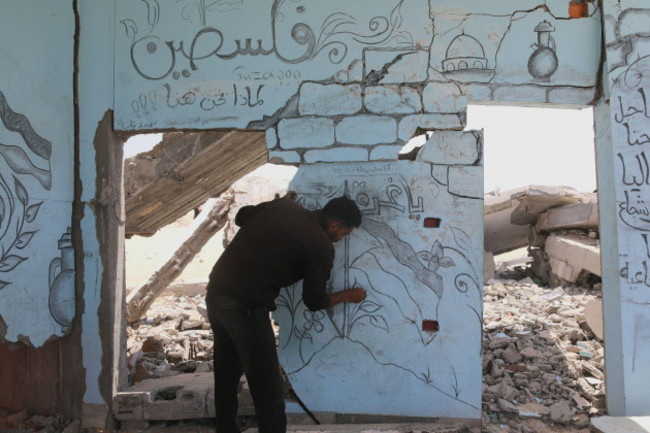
{"x":344,"y":210}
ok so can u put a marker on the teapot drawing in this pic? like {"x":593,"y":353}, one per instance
{"x":61,"y":282}
{"x":543,"y":62}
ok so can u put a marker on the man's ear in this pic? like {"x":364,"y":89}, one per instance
{"x":333,"y":226}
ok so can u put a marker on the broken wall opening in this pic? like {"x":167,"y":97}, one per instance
{"x":175,"y":261}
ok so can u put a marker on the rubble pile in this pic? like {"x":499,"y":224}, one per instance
{"x":174,"y":338}
{"x":24,"y":422}
{"x":543,"y":368}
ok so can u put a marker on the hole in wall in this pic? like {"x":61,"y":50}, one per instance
{"x":430,"y":326}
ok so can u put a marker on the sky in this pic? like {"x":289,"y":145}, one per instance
{"x":522,"y":146}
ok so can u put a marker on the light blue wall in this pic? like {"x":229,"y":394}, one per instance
{"x":623,"y":142}
{"x":36,"y":169}
{"x":96,"y":99}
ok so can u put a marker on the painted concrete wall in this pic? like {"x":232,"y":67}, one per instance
{"x":623,"y":137}
{"x":36,"y":170}
{"x":339,"y":89}
{"x":193,"y":64}
{"x":413,"y":347}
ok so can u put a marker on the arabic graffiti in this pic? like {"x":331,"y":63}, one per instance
{"x":631,"y":102}
{"x":156,"y":59}
{"x":17,"y":211}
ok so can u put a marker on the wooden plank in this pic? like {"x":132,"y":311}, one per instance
{"x":210,"y":221}
{"x":180,"y":174}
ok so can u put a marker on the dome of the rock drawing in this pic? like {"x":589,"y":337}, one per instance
{"x":464,"y":52}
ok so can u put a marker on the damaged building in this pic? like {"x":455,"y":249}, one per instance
{"x":336,"y":89}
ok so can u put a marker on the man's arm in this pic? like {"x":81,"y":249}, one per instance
{"x":351,"y":295}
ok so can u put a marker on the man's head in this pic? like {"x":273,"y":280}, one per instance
{"x":341,"y":217}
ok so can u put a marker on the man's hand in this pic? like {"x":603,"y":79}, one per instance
{"x":355,"y":295}
{"x":351,"y":295}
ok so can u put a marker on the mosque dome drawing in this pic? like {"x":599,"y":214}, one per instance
{"x":464,"y":52}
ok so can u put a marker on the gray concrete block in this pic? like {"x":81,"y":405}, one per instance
{"x":440,"y":97}
{"x":306,"y":132}
{"x":366,"y":130}
{"x":338,"y":154}
{"x":392,"y":100}
{"x":271,"y":138}
{"x":284,"y":157}
{"x":409,"y":124}
{"x":572,"y":95}
{"x":524,"y":93}
{"x":452,"y":148}
{"x":477,"y":92}
{"x":466,"y":181}
{"x":329,"y":99}
{"x":385,"y":152}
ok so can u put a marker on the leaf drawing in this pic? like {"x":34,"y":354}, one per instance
{"x":24,"y":239}
{"x":461,"y":238}
{"x":379,"y":322}
{"x":369,"y":307}
{"x":21,"y":192}
{"x":10,"y":262}
{"x":3,"y":284}
{"x":31,"y":212}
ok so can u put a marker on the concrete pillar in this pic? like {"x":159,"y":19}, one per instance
{"x":623,"y":147}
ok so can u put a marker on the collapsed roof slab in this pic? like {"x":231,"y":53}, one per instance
{"x":573,"y":216}
{"x":183,"y":171}
{"x":508,"y":216}
{"x":570,"y":254}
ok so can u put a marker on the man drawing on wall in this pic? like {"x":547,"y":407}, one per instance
{"x":278,"y":244}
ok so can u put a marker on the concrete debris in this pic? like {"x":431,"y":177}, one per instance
{"x":532,"y":362}
{"x":25,"y":422}
{"x":535,"y":374}
{"x":573,"y":216}
{"x":509,"y":216}
{"x":558,"y":225}
{"x":175,"y":339}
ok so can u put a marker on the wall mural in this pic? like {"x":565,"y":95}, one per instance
{"x":628,"y":62}
{"x":414,"y":344}
{"x":631,"y":123}
{"x":191,"y":61}
{"x":478,"y":44}
{"x":18,"y":212}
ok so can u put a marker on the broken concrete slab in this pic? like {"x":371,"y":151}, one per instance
{"x":594,"y":317}
{"x":571,"y":254}
{"x":186,"y":396}
{"x":489,"y":268}
{"x":508,"y":216}
{"x":578,"y":215}
{"x":611,"y":424}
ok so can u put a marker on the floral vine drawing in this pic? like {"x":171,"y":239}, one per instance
{"x":17,"y":211}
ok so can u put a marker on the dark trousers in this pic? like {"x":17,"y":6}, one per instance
{"x":244,"y":343}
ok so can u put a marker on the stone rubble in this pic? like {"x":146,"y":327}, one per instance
{"x":543,"y":368}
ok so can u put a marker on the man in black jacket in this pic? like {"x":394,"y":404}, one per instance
{"x":278,"y":244}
